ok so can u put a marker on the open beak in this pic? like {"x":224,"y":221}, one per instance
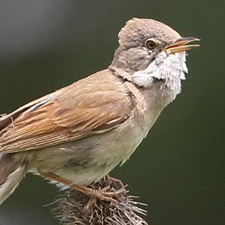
{"x":181,"y":45}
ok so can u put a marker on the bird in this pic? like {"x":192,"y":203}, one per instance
{"x":76,"y":135}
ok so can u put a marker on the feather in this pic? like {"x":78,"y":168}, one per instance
{"x":87,"y":107}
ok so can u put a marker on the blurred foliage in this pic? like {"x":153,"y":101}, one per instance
{"x":179,"y":169}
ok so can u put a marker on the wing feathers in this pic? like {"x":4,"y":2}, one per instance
{"x":93,"y":105}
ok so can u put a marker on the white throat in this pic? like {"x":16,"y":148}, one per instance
{"x":170,"y":69}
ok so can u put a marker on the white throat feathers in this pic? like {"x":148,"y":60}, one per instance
{"x":170,"y":69}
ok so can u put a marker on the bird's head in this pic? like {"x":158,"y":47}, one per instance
{"x":150,"y":49}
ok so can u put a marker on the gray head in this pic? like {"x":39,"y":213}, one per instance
{"x":142,"y":40}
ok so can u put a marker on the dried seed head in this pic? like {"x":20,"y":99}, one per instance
{"x":70,"y":207}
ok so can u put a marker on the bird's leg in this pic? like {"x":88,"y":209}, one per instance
{"x":94,"y":194}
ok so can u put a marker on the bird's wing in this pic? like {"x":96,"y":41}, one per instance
{"x":88,"y":107}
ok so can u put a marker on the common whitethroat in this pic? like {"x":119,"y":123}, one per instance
{"x":78,"y":134}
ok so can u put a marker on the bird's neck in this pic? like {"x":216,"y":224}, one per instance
{"x":162,"y":77}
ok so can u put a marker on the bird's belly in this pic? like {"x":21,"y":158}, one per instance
{"x":89,"y":159}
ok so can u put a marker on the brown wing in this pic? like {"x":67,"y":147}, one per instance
{"x":89,"y":106}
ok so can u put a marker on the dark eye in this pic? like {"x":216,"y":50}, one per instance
{"x":151,"y":44}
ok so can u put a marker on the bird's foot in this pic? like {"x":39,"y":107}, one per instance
{"x":102,"y":194}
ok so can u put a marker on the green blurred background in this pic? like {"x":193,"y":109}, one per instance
{"x":179,"y":169}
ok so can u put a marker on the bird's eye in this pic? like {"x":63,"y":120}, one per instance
{"x":151,"y":44}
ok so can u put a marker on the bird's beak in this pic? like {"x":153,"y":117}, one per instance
{"x":181,"y":45}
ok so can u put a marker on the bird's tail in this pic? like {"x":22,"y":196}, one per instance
{"x":11,"y":173}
